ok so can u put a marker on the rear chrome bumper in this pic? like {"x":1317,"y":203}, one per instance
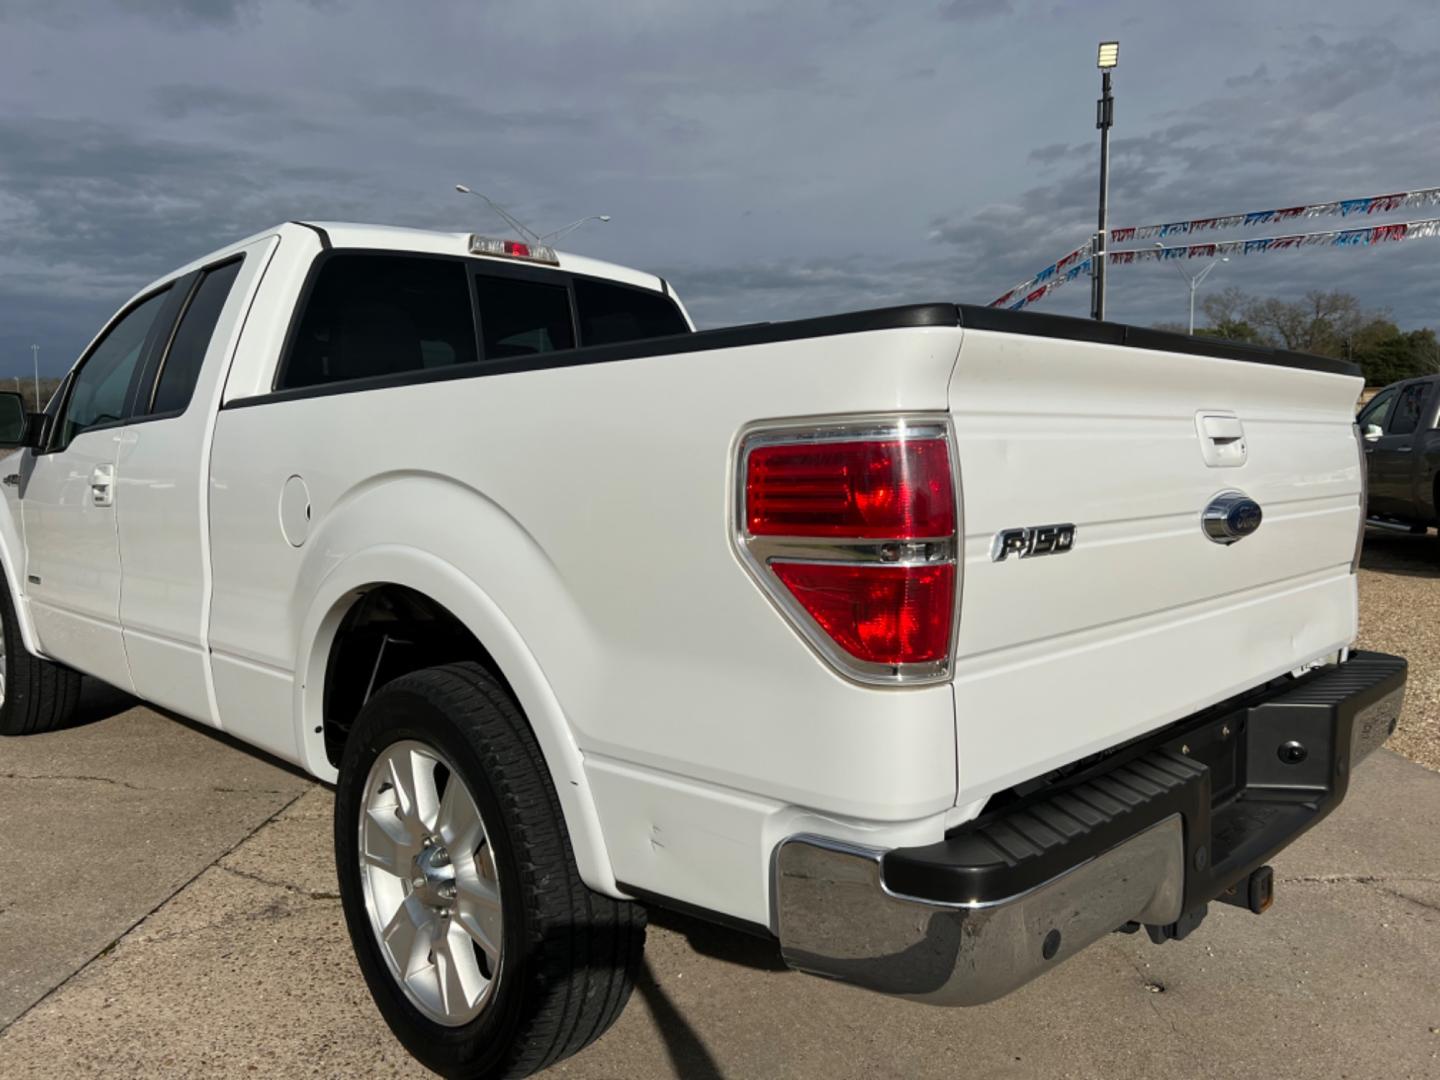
{"x":1149,"y":837}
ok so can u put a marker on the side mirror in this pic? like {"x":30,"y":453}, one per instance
{"x":1372,"y":433}
{"x":16,"y":427}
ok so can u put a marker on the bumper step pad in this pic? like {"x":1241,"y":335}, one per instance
{"x":1246,"y":777}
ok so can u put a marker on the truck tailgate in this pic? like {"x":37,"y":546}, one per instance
{"x":1143,"y":619}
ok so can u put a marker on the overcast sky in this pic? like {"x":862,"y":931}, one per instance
{"x":772,"y":159}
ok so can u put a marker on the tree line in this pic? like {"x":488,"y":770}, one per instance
{"x":1325,"y":324}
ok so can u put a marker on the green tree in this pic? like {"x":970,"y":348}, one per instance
{"x":1226,"y":311}
{"x":1390,"y":354}
{"x":1325,"y":323}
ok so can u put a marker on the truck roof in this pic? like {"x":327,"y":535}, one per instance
{"x":346,"y":234}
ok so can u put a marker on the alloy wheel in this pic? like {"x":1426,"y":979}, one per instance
{"x":430,"y":883}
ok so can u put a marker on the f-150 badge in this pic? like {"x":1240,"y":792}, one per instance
{"x":1033,"y":540}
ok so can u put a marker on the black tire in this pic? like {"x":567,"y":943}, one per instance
{"x":39,"y":695}
{"x":570,"y":955}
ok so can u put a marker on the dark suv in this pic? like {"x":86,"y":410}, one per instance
{"x":1402,"y":450}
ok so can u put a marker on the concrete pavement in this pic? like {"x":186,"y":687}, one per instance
{"x":105,"y":822}
{"x":246,"y":969}
{"x":168,"y":908}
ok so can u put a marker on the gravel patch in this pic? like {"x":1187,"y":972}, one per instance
{"x":1400,"y":613}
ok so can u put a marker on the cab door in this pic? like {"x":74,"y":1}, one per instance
{"x":161,"y":498}
{"x":1391,"y":463}
{"x":67,"y":499}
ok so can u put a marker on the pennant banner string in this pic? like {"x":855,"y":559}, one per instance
{"x":1059,"y":267}
{"x":1373,"y":204}
{"x":1366,"y":236}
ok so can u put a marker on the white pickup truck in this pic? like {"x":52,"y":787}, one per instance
{"x":934,"y":642}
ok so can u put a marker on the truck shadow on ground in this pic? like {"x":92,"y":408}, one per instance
{"x":689,"y":1055}
{"x":719,"y":942}
{"x":1408,"y":554}
{"x":98,"y":701}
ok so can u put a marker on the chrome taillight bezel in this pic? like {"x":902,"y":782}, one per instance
{"x":756,"y":553}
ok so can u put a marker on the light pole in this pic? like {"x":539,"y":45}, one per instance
{"x":551,"y":237}
{"x":35,"y":355}
{"x":527,"y":234}
{"x":1194,"y":283}
{"x":1106,"y":60}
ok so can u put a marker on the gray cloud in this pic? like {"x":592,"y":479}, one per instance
{"x":1052,"y":153}
{"x":1264,"y":140}
{"x":206,"y":11}
{"x":975,"y":9}
{"x":177,"y":101}
{"x":772,"y":160}
{"x":453,"y":116}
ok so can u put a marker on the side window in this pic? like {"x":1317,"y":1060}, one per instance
{"x":613,"y":313}
{"x":180,"y":368}
{"x":1406,"y":415}
{"x":370,"y":315}
{"x":1376,"y":410}
{"x":101,"y":386}
{"x":523,"y":318}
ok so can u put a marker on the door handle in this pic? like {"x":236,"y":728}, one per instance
{"x":1222,"y":439}
{"x":1402,"y":449}
{"x":102,"y":485}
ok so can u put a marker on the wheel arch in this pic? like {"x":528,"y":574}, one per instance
{"x":453,"y":592}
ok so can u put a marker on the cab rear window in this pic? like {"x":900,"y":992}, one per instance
{"x":610,"y":314}
{"x":368,"y":315}
{"x":372,"y":315}
{"x":525,"y":316}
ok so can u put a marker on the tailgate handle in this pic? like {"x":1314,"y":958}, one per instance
{"x":1222,"y":439}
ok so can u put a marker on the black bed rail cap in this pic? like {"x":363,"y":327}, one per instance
{"x":1035,"y":324}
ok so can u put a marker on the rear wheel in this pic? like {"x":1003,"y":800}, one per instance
{"x":35,"y":695}
{"x":485,"y":952}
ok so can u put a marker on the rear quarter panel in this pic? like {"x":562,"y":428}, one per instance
{"x":591,"y":504}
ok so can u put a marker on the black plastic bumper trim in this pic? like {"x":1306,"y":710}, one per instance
{"x":1219,"y":770}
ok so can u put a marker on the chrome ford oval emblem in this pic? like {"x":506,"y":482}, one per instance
{"x":1231,"y":516}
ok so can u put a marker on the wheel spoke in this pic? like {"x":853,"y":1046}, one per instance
{"x":413,"y":774}
{"x":387,"y":842}
{"x":458,"y":819}
{"x":457,"y":971}
{"x":409,"y":935}
{"x":477,"y":909}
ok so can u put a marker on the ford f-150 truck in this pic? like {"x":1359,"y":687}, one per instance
{"x":934,"y":642}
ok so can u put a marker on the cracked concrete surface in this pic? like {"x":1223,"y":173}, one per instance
{"x":105,"y":822}
{"x":239,"y":962}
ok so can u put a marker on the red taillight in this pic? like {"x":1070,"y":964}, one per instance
{"x":876,"y":613}
{"x":853,"y":530}
{"x":874,"y":489}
